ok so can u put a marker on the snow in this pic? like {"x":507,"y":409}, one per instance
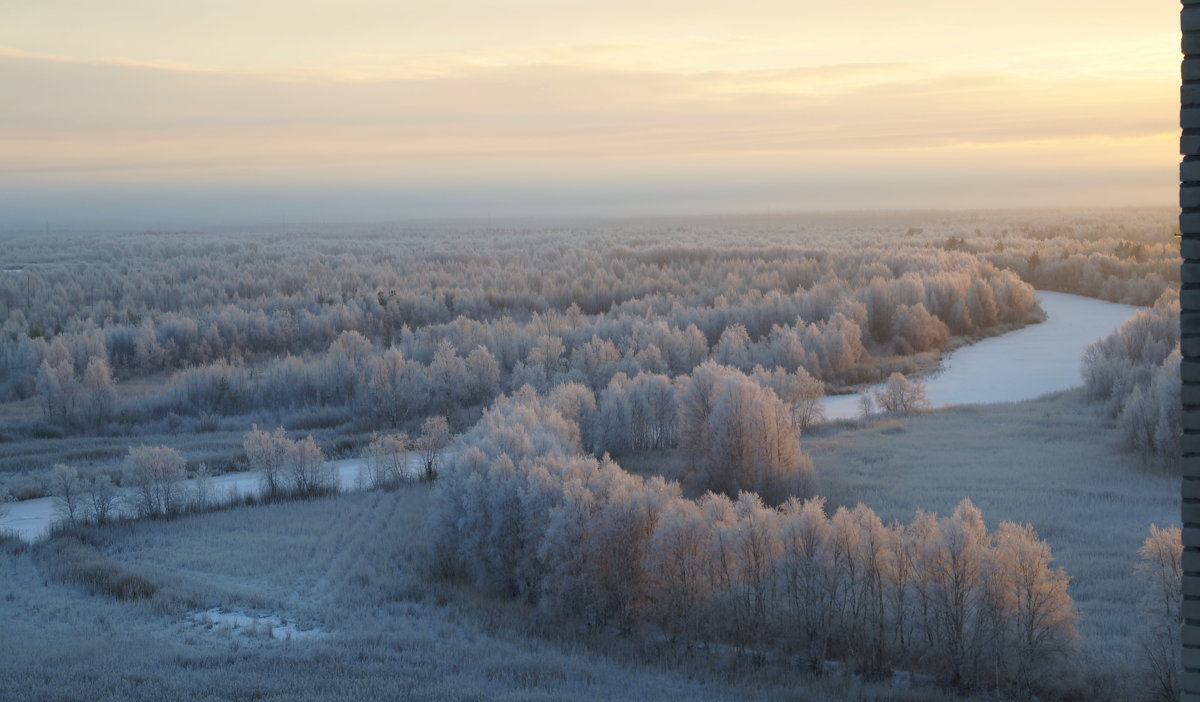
{"x":31,"y":519}
{"x":1020,"y":365}
{"x":266,"y":625}
{"x":28,"y":519}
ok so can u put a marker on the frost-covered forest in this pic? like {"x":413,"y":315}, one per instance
{"x":161,"y":333}
{"x":617,"y":435}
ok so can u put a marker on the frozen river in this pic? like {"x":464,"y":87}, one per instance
{"x":1020,"y":365}
{"x":31,"y":519}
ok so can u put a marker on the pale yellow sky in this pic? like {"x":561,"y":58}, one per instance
{"x":361,"y":109}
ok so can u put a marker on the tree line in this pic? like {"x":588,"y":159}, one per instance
{"x":1133,"y":375}
{"x":544,"y":314}
{"x":522,"y":512}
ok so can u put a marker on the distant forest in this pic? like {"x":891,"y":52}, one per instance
{"x":403,"y":326}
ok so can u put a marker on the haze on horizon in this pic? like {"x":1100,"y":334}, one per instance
{"x":224,"y":112}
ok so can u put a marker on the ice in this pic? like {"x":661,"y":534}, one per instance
{"x":1020,"y":365}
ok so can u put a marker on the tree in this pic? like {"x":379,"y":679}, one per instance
{"x":800,"y":391}
{"x":202,"y":491}
{"x":447,"y":374}
{"x":266,"y":453}
{"x":901,"y":395}
{"x":807,"y":408}
{"x":915,"y":330}
{"x":435,"y":436}
{"x":396,"y":387}
{"x":866,"y":404}
{"x":695,"y":394}
{"x":1161,"y":571}
{"x":807,"y":590}
{"x":733,"y":349}
{"x":675,"y":564}
{"x":1039,"y":617}
{"x":306,"y":466}
{"x":750,"y":444}
{"x":58,"y":388}
{"x":483,"y":375}
{"x":67,"y":489}
{"x":154,"y":473}
{"x":953,"y":582}
{"x":101,"y":498}
{"x":98,"y":391}
{"x":386,"y":459}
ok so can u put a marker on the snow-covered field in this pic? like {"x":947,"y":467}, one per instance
{"x":270,"y":625}
{"x":1051,"y":462}
{"x":1020,"y":365}
{"x":31,"y":519}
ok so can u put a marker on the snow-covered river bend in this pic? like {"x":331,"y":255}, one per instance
{"x":1020,"y":365}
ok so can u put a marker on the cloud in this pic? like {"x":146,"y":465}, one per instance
{"x":541,"y":110}
{"x":573,"y":135}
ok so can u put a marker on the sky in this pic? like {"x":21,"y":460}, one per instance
{"x":173,"y":113}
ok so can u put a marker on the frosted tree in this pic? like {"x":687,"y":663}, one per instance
{"x":433,"y":440}
{"x":99,"y":394}
{"x":1161,"y":571}
{"x":386,"y":459}
{"x":1134,"y":375}
{"x":596,"y":360}
{"x":733,"y":349}
{"x":68,"y":492}
{"x":574,"y":401}
{"x":900,"y":395}
{"x":615,"y":542}
{"x":800,"y":391}
{"x":915,"y":330}
{"x":100,"y":498}
{"x":308,"y":471}
{"x":953,"y":583}
{"x":807,"y":588}
{"x":345,"y":364}
{"x":58,"y":389}
{"x":202,"y":488}
{"x":398,"y":388}
{"x":547,"y":356}
{"x":754,"y":547}
{"x":267,"y":452}
{"x":616,"y":427}
{"x":981,"y":301}
{"x":866,"y":404}
{"x":482,"y":375}
{"x":1039,"y":618}
{"x":1151,"y":419}
{"x":695,"y":396}
{"x":447,"y":374}
{"x":676,"y":565}
{"x":154,"y":473}
{"x":750,"y":443}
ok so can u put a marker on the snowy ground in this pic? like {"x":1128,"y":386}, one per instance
{"x":1052,"y":462}
{"x":271,"y":625}
{"x":1020,"y":365}
{"x":31,"y":519}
